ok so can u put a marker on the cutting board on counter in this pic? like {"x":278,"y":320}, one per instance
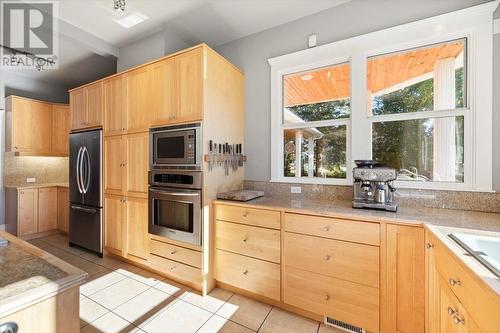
{"x":240,"y":195}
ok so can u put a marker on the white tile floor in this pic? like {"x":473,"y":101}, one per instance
{"x":119,"y":298}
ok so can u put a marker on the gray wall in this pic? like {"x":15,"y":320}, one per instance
{"x":351,"y":19}
{"x":149,"y":48}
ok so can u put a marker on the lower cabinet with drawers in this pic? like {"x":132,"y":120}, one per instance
{"x":319,"y":266}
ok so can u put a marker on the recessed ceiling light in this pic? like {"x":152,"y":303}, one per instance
{"x":131,"y":20}
{"x":306,"y":77}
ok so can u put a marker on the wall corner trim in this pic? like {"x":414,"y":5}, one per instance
{"x":496,"y":26}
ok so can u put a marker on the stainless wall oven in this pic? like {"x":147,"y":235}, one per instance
{"x":177,"y":147}
{"x":175,"y":205}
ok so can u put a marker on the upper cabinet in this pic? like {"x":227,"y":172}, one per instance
{"x":36,"y":127}
{"x":87,"y":105}
{"x":138,"y":107}
{"x":114,"y":105}
{"x":189,"y":76}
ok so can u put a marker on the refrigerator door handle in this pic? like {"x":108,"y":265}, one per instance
{"x":80,"y":167}
{"x":78,"y":170}
{"x":86,"y":210}
{"x":88,"y":169}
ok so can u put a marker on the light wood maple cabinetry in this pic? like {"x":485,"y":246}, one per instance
{"x":60,"y":129}
{"x":114,"y":165}
{"x":86,"y":106}
{"x":36,"y":127}
{"x":137,"y":228}
{"x":405,"y":279}
{"x":28,"y":212}
{"x":47,"y":209}
{"x":63,"y":209}
{"x":139,"y":112}
{"x":190,"y":85}
{"x":114,"y":224}
{"x":164,"y":96}
{"x":115,"y":102}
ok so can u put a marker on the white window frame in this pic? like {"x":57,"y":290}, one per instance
{"x":474,"y":23}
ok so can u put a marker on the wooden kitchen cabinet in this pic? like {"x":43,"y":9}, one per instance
{"x":137,"y":228}
{"x":164,"y":98}
{"x":27,"y":210}
{"x":405,"y":279}
{"x":63,"y":209}
{"x":115,"y":103}
{"x":139,"y":112}
{"x":114,"y":226}
{"x":47,"y":209}
{"x":114,"y":164}
{"x":136,"y":164}
{"x":86,"y":105}
{"x":189,"y":66}
{"x":41,"y":127}
{"x":60,"y":129}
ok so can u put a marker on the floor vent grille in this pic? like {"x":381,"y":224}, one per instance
{"x":343,"y":326}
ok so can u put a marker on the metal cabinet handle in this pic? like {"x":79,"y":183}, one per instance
{"x":457,"y":320}
{"x":22,"y":192}
{"x":245,"y":214}
{"x":429,"y":245}
{"x":245,"y":239}
{"x":173,"y":252}
{"x":245,"y":272}
{"x":326,"y":228}
{"x":327,"y":297}
{"x":451,"y":311}
{"x":454,"y":282}
{"x":328,"y":257}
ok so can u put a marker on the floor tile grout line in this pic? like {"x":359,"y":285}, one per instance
{"x":120,"y":303}
{"x":124,"y":277}
{"x":206,"y":321}
{"x":272,"y":307}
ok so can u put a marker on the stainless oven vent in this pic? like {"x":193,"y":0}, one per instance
{"x":343,"y":326}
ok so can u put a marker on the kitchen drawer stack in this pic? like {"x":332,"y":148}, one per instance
{"x":248,"y":249}
{"x":331,"y":267}
{"x":177,"y":262}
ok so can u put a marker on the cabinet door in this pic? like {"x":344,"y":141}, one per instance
{"x":190,"y":85}
{"x":164,"y":101}
{"x":114,"y":164}
{"x":78,"y":108}
{"x":405,"y":279}
{"x":21,"y":125}
{"x":27,"y":212}
{"x":41,"y":127}
{"x":63,"y":209}
{"x":137,"y":165}
{"x":114,"y":222}
{"x":60,"y":129}
{"x":452,"y":316}
{"x":114,"y":106}
{"x":139,"y":111}
{"x":47,"y":209}
{"x":94,"y":104}
{"x":137,"y":228}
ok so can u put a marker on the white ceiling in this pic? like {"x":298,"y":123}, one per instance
{"x":212,"y":21}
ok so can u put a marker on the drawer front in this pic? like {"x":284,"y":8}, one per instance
{"x":346,"y":301}
{"x":344,"y":260}
{"x":257,"y":276}
{"x":246,"y":215}
{"x":481,"y":304}
{"x":176,"y":253}
{"x":176,"y":269}
{"x":353,"y":231}
{"x":260,"y":243}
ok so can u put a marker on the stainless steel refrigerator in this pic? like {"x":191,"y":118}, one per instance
{"x":85,"y":187}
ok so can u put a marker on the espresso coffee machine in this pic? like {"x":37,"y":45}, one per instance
{"x":373,"y":186}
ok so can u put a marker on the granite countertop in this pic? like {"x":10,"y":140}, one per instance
{"x":404,"y":215}
{"x":36,"y":185}
{"x":30,"y":275}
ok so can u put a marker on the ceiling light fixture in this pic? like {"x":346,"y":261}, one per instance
{"x":119,"y":5}
{"x":131,"y":20}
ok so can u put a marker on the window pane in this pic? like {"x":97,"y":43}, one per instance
{"x":315,"y":152}
{"x":423,"y":79}
{"x":320,"y":94}
{"x":429,"y":149}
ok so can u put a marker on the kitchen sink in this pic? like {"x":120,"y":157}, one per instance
{"x":485,"y":249}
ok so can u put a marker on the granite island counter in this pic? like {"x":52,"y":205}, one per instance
{"x":38,"y":291}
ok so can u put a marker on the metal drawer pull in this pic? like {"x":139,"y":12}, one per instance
{"x":173,"y":252}
{"x":245,"y":239}
{"x":326,"y":228}
{"x":327,"y":297}
{"x":245,"y":214}
{"x":458,"y":320}
{"x":451,"y":311}
{"x":454,"y":282}
{"x":245,"y":272}
{"x":172,"y":268}
{"x":327,"y":258}
{"x":429,"y":245}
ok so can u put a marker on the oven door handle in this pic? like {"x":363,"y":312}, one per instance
{"x":175,"y":193}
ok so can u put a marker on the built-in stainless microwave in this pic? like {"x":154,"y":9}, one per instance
{"x":176,"y":147}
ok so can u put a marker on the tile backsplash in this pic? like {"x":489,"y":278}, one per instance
{"x":44,"y":169}
{"x":477,"y":201}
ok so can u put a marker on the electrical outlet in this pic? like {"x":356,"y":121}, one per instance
{"x":296,"y":189}
{"x":31,"y":180}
